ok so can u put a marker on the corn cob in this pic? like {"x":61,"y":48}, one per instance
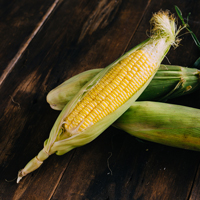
{"x":109,"y":94}
{"x":153,"y":121}
{"x":169,"y":82}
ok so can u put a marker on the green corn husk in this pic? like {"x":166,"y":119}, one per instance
{"x":168,"y":124}
{"x":169,"y":82}
{"x":62,"y":94}
{"x":164,"y":35}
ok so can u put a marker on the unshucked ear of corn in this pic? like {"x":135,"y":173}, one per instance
{"x":62,"y":94}
{"x":168,"y":124}
{"x":109,"y":94}
{"x":170,"y":81}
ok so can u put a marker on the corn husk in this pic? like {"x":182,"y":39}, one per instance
{"x":164,"y":123}
{"x":62,"y":94}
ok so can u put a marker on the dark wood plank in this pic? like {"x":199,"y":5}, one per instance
{"x":195,"y":194}
{"x":69,"y":43}
{"x":20,"y":21}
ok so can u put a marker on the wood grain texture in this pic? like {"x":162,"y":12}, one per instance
{"x":81,"y":35}
{"x":20,"y":21}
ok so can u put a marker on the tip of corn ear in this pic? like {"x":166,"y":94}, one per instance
{"x":163,"y":25}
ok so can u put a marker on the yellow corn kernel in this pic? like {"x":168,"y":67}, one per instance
{"x":115,"y":88}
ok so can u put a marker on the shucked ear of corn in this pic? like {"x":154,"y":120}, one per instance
{"x":169,"y":82}
{"x":109,"y":94}
{"x":163,"y":123}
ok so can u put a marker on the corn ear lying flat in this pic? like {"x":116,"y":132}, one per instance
{"x":109,"y":94}
{"x":62,"y":94}
{"x":168,"y":124}
{"x":170,"y":81}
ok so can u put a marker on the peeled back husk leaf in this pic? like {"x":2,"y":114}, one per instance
{"x":62,"y":94}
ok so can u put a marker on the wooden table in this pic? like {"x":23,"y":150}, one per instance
{"x":42,"y":43}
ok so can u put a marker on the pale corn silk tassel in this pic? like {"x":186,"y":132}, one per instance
{"x":109,"y":94}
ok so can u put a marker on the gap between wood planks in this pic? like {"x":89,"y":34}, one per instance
{"x":61,"y":175}
{"x":22,"y":49}
{"x":190,"y":195}
{"x":126,"y":48}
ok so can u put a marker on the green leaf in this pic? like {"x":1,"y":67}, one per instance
{"x":197,"y":64}
{"x":179,"y":13}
